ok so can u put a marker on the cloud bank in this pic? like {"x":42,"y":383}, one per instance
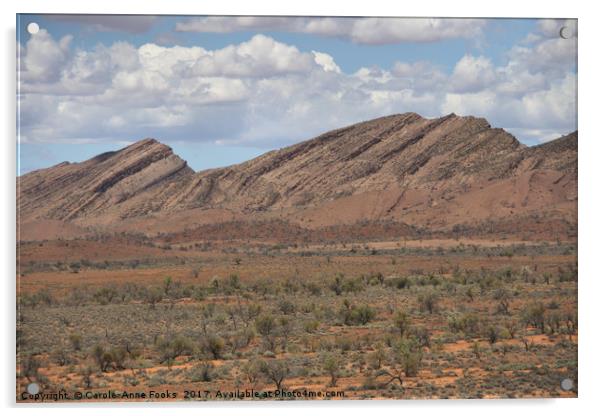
{"x":370,"y":31}
{"x":266,"y":93}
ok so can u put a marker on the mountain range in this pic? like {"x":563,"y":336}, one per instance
{"x":442,"y":175}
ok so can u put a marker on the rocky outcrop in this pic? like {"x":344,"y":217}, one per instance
{"x":71,"y":190}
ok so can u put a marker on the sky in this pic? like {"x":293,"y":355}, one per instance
{"x":221,"y":90}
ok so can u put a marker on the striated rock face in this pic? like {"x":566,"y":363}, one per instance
{"x":433,"y":173}
{"x":71,"y":190}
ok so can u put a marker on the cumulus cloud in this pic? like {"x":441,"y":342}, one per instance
{"x":267,"y":93}
{"x":373,"y":30}
{"x":472,"y":74}
{"x":261,"y":56}
{"x":43,"y":58}
{"x":553,"y":106}
{"x":326,"y":62}
{"x":550,"y":55}
{"x":551,"y":110}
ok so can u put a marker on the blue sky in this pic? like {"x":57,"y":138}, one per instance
{"x":223,"y":90}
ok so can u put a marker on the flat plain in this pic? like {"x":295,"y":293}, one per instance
{"x":386,"y":319}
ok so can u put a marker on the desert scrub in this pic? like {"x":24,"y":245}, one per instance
{"x":202,"y":372}
{"x":331,"y":364}
{"x":213,"y":345}
{"x":170,"y":349}
{"x":275,"y":371}
{"x":356,"y":315}
{"x":428,"y":301}
{"x":405,"y":359}
{"x":266,"y":326}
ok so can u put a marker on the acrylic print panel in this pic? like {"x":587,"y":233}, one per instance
{"x":309,"y":208}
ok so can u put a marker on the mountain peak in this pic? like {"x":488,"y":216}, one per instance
{"x":148,"y":143}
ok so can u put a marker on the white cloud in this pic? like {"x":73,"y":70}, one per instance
{"x":326,"y":62}
{"x":261,"y":56}
{"x":392,"y":30}
{"x":42,"y":58}
{"x":472,"y":74}
{"x":550,"y":28}
{"x":533,"y":94}
{"x":511,"y":82}
{"x":165,"y":61}
{"x":420,"y":76}
{"x":551,"y":107}
{"x":225,"y":24}
{"x":550,"y":55}
{"x":372,"y":30}
{"x":483,"y":102}
{"x":267,"y":93}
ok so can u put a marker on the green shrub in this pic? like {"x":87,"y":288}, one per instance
{"x":311,"y":326}
{"x":378,"y":356}
{"x":331,"y":364}
{"x":337,"y":284}
{"x":76,"y":341}
{"x":468,"y":323}
{"x":409,"y":355}
{"x":352,"y":285}
{"x":251,"y":370}
{"x":153,"y":296}
{"x":356,"y":315}
{"x":493,"y":334}
{"x":105,"y":295}
{"x":422,"y":336}
{"x":109,"y":357}
{"x":275,"y":371}
{"x":286,"y":306}
{"x":266,"y":326}
{"x":214,"y":345}
{"x":428,"y":301}
{"x":535,"y":314}
{"x":398,"y":282}
{"x":313,"y":289}
{"x":202,"y":372}
{"x":401,"y":322}
{"x":169,"y":350}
